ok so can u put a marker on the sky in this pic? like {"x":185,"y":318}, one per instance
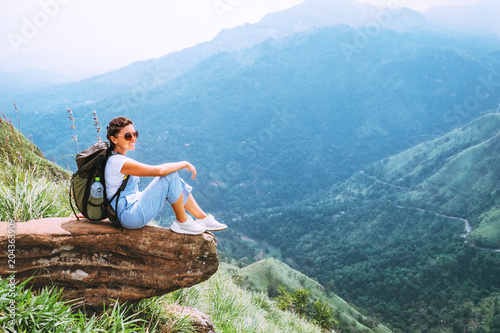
{"x":87,"y":37}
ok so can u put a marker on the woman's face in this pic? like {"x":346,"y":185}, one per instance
{"x":123,"y":145}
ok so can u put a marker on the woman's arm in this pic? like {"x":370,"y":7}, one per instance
{"x":134,"y":168}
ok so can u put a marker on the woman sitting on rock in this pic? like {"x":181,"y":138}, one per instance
{"x":135,"y":209}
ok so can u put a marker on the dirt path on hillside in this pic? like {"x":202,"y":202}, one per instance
{"x":468,"y":228}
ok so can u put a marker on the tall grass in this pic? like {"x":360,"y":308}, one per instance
{"x":73,"y":127}
{"x":26,"y":195}
{"x":30,"y":186}
{"x":233,"y":309}
{"x":44,"y":311}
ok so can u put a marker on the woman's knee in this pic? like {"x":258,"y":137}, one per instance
{"x":174,"y":176}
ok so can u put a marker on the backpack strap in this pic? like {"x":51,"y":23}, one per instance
{"x":120,"y":189}
{"x":71,"y":201}
{"x":117,"y":196}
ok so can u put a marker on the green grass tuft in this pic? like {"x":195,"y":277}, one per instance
{"x":25,"y":195}
{"x":30,"y":186}
{"x":44,"y":311}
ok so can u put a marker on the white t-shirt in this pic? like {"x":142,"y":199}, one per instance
{"x":112,"y":174}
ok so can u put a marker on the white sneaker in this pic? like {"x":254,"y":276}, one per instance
{"x":189,"y":227}
{"x":211,"y":224}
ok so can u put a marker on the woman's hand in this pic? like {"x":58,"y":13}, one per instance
{"x":191,"y":168}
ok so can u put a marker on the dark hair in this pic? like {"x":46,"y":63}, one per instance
{"x":115,"y":126}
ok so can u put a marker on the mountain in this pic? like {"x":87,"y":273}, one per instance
{"x":27,"y":81}
{"x":150,"y":73}
{"x":395,"y":237}
{"x":320,"y":13}
{"x":308,"y":15}
{"x":146,"y":75}
{"x":455,"y":175}
{"x":265,"y":121}
{"x":19,"y":153}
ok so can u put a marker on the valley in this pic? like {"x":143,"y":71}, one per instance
{"x":400,"y":236}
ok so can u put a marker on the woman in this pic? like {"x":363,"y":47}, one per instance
{"x":135,"y":209}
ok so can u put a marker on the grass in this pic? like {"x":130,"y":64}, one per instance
{"x":30,"y":186}
{"x":25,"y":195}
{"x":233,"y":309}
{"x":44,"y":311}
{"x":230,"y":308}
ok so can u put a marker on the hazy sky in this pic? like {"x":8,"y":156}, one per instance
{"x":94,"y":36}
{"x":424,"y":4}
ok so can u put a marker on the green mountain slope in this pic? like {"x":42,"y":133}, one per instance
{"x":455,"y":174}
{"x":266,"y":275}
{"x":30,"y":186}
{"x":16,"y":149}
{"x":390,"y":238}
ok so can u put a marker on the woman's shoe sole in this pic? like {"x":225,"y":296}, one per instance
{"x":185,"y":232}
{"x":220,"y":229}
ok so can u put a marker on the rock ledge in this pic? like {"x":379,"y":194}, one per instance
{"x":96,"y":262}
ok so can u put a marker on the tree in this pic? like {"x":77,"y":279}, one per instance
{"x":324,"y":315}
{"x":300,"y":299}
{"x":285,"y":300}
{"x":296,"y":302}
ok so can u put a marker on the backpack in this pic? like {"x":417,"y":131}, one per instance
{"x":91,"y":164}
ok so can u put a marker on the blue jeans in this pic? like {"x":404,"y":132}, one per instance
{"x":138,"y":209}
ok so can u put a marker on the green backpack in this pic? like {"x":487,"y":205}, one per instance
{"x":91,"y":164}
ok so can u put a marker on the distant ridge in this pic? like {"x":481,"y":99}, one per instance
{"x":308,"y":15}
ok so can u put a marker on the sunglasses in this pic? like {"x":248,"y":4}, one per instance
{"x":128,"y":136}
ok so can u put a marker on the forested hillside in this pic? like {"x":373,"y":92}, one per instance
{"x":393,"y":238}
